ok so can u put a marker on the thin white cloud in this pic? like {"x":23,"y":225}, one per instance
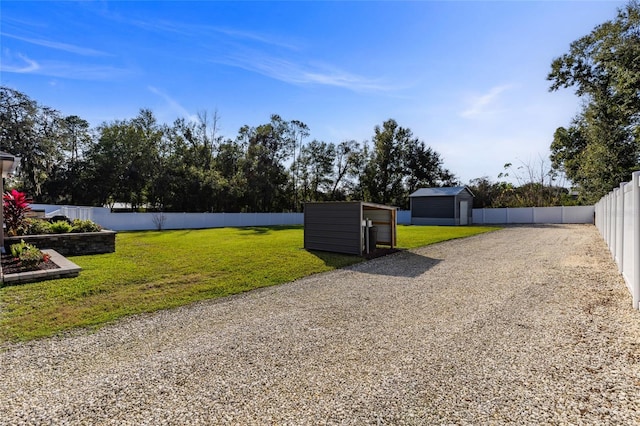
{"x":25,"y":66}
{"x":63,"y":70}
{"x":484,"y":104}
{"x":294,"y":73}
{"x":57,"y":45}
{"x":245,"y":49}
{"x":198,"y":32}
{"x":262,"y":38}
{"x":173,"y":104}
{"x":18,"y":63}
{"x":233,"y":49}
{"x":85,"y":72}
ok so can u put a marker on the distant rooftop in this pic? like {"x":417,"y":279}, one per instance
{"x":440,"y":192}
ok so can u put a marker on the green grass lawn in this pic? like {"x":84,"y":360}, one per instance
{"x":159,"y":270}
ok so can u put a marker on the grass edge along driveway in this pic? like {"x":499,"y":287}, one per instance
{"x":153,"y":270}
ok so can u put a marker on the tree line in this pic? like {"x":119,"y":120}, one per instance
{"x":189,"y":166}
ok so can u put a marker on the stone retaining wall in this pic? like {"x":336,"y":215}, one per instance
{"x":72,"y":244}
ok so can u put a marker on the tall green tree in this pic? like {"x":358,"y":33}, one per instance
{"x":314,"y":170}
{"x":268,"y":147}
{"x":349,"y":160}
{"x":190,"y":178}
{"x":385,"y":173}
{"x":298,"y":131}
{"x":601,"y":147}
{"x":34,"y":133}
{"x":229,"y":162}
{"x":124,"y":161}
{"x":76,"y":137}
{"x":398,"y":164}
{"x":425,"y":168}
{"x":68,"y":183}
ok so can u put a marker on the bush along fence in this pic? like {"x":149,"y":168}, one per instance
{"x":618,"y":220}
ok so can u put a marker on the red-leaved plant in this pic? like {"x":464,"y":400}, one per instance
{"x":16,"y":206}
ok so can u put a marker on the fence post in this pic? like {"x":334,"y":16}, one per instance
{"x":599,"y":216}
{"x":611,"y":223}
{"x":635,"y":280}
{"x":614,"y":223}
{"x":605,"y":219}
{"x":533,"y":214}
{"x":620,"y":228}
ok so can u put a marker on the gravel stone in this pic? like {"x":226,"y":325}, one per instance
{"x":526,"y":325}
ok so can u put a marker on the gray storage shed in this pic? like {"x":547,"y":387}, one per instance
{"x":341,"y":226}
{"x":441,"y":206}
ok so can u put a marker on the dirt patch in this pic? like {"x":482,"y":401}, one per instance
{"x":11,"y":265}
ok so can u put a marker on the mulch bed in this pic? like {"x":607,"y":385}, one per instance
{"x":10,"y":265}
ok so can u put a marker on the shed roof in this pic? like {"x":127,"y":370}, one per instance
{"x":362,"y":203}
{"x":440,"y":192}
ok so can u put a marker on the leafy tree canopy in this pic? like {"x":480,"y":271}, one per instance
{"x":600,"y":148}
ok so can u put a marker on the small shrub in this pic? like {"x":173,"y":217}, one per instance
{"x":18,"y":248}
{"x":16,"y":206}
{"x":37,"y":226}
{"x":79,"y":225}
{"x":60,"y":227}
{"x":159,"y":219}
{"x":29,"y":255}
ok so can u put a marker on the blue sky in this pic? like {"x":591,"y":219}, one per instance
{"x":468,"y":78}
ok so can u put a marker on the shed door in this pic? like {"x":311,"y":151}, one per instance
{"x":464,"y":212}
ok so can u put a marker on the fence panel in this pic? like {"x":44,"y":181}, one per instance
{"x":618,"y":220}
{"x":490,"y":216}
{"x":150,"y":221}
{"x":523,"y":215}
{"x":403,"y":217}
{"x":578,"y":214}
{"x":547,"y":214}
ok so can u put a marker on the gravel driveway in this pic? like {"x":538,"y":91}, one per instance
{"x":527,"y":325}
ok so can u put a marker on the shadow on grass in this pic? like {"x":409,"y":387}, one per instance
{"x":161,"y":232}
{"x":244,"y":230}
{"x":336,"y":260}
{"x":266,"y":229}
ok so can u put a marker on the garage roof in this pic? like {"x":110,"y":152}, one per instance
{"x":440,"y":192}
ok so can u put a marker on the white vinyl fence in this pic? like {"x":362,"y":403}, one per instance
{"x":149,"y":221}
{"x":403,"y":217}
{"x":618,"y":220}
{"x":561,"y":214}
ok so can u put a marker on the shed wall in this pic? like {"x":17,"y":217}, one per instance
{"x":333,"y":227}
{"x":464,"y":196}
{"x":432,"y":207}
